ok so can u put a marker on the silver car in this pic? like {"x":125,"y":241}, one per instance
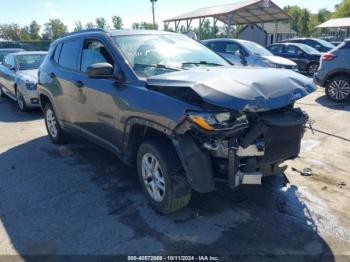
{"x":247,"y":53}
{"x":19,"y":78}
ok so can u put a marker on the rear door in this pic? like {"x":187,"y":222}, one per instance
{"x":68,"y":95}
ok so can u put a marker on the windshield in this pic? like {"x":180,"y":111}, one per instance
{"x":257,"y":49}
{"x":30,"y":62}
{"x":325,"y":43}
{"x":308,"y":49}
{"x":151,"y":55}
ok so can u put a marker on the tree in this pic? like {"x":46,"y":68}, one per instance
{"x":324,"y":15}
{"x":78,"y":26}
{"x":25,"y":34}
{"x":34,"y":31}
{"x":54,"y":29}
{"x":342,"y":10}
{"x":143,"y":26}
{"x":117,"y":22}
{"x":10,"y":32}
{"x":102,"y":23}
{"x":90,"y":25}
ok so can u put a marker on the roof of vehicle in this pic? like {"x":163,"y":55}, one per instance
{"x":30,"y":53}
{"x":11,"y":49}
{"x":227,"y":40}
{"x":113,"y":32}
{"x":300,"y":45}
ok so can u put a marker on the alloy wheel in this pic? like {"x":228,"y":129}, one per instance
{"x":153,"y":177}
{"x":313,"y":69}
{"x":339,"y":90}
{"x":20,"y":100}
{"x":51,"y":123}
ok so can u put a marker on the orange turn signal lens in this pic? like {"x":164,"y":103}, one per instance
{"x":201,"y":122}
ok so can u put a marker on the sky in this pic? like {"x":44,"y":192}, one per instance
{"x":69,"y":11}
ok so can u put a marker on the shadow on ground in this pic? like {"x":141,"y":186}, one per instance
{"x":324,"y":101}
{"x":14,"y":114}
{"x":79,"y":199}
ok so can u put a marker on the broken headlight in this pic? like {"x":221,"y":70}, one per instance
{"x":211,"y":121}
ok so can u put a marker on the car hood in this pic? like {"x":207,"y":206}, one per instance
{"x":239,"y":88}
{"x":280,"y":60}
{"x":30,"y":75}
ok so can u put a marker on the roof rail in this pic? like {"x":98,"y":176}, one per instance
{"x":83,"y":31}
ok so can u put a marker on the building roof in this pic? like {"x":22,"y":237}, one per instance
{"x":252,"y":11}
{"x":335,"y":23}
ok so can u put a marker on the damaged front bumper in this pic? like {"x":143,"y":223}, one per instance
{"x":244,"y":154}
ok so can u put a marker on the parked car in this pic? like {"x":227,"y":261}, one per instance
{"x":5,"y":51}
{"x":306,"y":57}
{"x":19,"y":78}
{"x":242,"y":52}
{"x":173,"y":107}
{"x":334,"y":73}
{"x":316,"y":43}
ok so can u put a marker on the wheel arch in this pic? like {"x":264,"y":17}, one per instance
{"x":195,"y":161}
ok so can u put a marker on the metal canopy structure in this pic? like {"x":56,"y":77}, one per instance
{"x":247,"y":12}
{"x":336,"y":23}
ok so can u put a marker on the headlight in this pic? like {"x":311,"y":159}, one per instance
{"x":212,"y":121}
{"x":273,"y":65}
{"x":31,"y":85}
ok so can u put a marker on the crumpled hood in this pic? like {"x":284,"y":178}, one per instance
{"x":240,"y":88}
{"x":29,"y":75}
{"x":280,"y":60}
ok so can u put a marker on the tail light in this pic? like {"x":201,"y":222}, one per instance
{"x":327,"y":57}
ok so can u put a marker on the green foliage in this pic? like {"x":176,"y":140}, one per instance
{"x":143,"y":26}
{"x":54,"y":29}
{"x":34,"y":31}
{"x":102,"y":23}
{"x":342,"y":10}
{"x":78,"y":26}
{"x":117,"y":22}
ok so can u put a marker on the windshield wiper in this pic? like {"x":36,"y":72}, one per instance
{"x":160,"y":66}
{"x":201,"y":63}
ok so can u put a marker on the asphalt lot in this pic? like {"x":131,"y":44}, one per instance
{"x":79,"y":199}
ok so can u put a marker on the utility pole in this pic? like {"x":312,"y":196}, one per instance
{"x":153,"y":11}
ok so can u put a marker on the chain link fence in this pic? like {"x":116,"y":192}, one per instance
{"x":27,"y":45}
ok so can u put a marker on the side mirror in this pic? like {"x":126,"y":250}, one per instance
{"x":13,"y":69}
{"x":100,"y":70}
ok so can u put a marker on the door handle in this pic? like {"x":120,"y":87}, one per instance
{"x":52,"y":75}
{"x":79,"y":84}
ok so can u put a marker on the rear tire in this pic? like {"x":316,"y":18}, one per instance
{"x":338,"y":89}
{"x":157,"y":161}
{"x":312,"y":68}
{"x":56,"y":134}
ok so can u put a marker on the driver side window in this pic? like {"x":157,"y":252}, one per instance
{"x":94,"y":52}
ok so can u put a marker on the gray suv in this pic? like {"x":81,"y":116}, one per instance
{"x":174,"y":108}
{"x":334,"y":73}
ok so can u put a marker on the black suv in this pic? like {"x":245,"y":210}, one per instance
{"x":334,"y":73}
{"x":173,"y":107}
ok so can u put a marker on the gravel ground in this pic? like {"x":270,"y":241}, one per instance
{"x":79,"y":199}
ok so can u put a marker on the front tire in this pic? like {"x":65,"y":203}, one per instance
{"x":21,"y":102}
{"x":312,"y":69}
{"x":162,"y":176}
{"x":2,"y":94}
{"x":56,"y":134}
{"x":338,"y":89}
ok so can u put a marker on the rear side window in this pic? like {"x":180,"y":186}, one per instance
{"x":276,"y":49}
{"x":70,"y":54}
{"x":56,"y":55}
{"x":217,"y":46}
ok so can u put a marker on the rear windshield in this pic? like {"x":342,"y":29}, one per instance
{"x":30,"y":62}
{"x":325,"y":43}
